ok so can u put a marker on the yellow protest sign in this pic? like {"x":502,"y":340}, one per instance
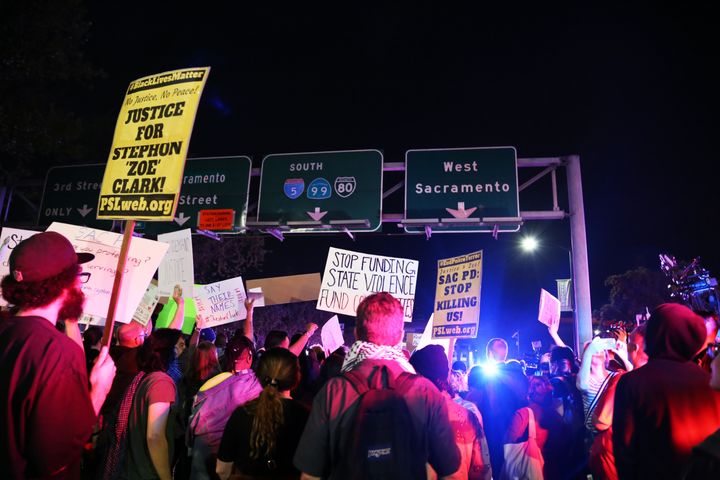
{"x":143,"y":175}
{"x":457,"y":298}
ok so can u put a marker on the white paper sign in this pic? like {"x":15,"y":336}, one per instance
{"x":143,"y":259}
{"x":177,"y":266}
{"x":351,"y":276}
{"x":256,"y":294}
{"x":331,"y":335}
{"x":9,"y":238}
{"x":549,"y":309}
{"x":221,"y":302}
{"x":147,"y":305}
{"x":427,"y":339}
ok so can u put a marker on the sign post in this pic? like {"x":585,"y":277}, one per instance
{"x":144,"y":171}
{"x":461,"y":189}
{"x":322,"y":191}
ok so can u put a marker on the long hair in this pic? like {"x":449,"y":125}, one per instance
{"x":203,"y":364}
{"x":278,"y":371}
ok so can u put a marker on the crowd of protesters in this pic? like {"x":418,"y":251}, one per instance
{"x":158,"y":405}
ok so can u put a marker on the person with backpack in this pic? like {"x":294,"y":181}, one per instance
{"x":261,"y":436}
{"x":378,"y":419}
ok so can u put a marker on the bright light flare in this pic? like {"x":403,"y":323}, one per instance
{"x":489,"y":369}
{"x":529,"y":244}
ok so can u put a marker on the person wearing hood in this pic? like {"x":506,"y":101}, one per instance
{"x":667,"y":407}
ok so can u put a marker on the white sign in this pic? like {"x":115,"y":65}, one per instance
{"x":331,"y":335}
{"x":9,"y":238}
{"x":549,"y":309}
{"x":427,"y":339}
{"x":351,"y":276}
{"x":147,"y":305}
{"x":177,"y":266}
{"x":143,"y":259}
{"x":221,"y":302}
{"x":256,"y":294}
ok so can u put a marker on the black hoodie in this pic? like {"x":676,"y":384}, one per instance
{"x":664,"y":409}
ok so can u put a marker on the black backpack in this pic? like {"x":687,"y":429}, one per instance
{"x":381,"y":441}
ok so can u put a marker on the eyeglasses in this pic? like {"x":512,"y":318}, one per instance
{"x":84,"y":277}
{"x":713,"y":350}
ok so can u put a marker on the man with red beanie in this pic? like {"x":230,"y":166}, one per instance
{"x":665,"y":408}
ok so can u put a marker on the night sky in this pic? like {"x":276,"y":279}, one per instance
{"x":630,"y":89}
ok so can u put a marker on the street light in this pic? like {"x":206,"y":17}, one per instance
{"x":528,"y":244}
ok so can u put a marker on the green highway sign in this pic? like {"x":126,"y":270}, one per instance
{"x":71,"y":196}
{"x":453,"y":190}
{"x":209,"y":185}
{"x":322,"y":191}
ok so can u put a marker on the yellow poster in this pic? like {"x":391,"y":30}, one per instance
{"x":457,"y":298}
{"x":144,"y":170}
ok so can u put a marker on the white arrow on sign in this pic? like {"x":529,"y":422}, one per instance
{"x":84,"y":210}
{"x":317,"y":214}
{"x":181,"y":219}
{"x":461,"y":212}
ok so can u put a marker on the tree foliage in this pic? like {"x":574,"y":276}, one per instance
{"x":631,"y":293}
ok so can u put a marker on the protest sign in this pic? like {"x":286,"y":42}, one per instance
{"x":288,"y":289}
{"x":144,"y":170}
{"x":147,"y":305}
{"x":351,"y":276}
{"x":221,"y":302}
{"x":9,"y":238}
{"x":331,"y":335}
{"x":143,"y":259}
{"x":177,"y":266}
{"x":427,"y":338}
{"x":457,"y":296}
{"x":256,"y":295}
{"x":549,"y":313}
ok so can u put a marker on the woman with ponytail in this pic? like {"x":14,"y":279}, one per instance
{"x":261,"y":436}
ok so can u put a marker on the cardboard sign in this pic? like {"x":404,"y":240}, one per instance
{"x":144,"y":170}
{"x":147,"y":305}
{"x":457,"y":296}
{"x":331,"y":335}
{"x":143,"y":259}
{"x":221,"y":302}
{"x":220,"y":219}
{"x":351,"y":276}
{"x":549,"y":313}
{"x":177,"y":266}
{"x":9,"y":238}
{"x":289,"y":289}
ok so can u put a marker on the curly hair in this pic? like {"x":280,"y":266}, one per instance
{"x":278,"y":371}
{"x":37,"y":294}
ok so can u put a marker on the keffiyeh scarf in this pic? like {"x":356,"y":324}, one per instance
{"x":360,"y":351}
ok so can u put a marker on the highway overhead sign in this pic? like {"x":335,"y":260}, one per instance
{"x":461,"y":189}
{"x":322,"y":191}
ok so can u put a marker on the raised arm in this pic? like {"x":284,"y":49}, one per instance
{"x":248,"y":328}
{"x":177,"y":321}
{"x":299,"y":345}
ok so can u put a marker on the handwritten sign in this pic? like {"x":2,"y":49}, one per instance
{"x":331,"y":335}
{"x":147,"y":305}
{"x":144,"y":171}
{"x":351,"y":276}
{"x":549,"y":313}
{"x":143,"y":259}
{"x":221,"y":302}
{"x":457,"y":296}
{"x":9,"y":239}
{"x":177,"y":266}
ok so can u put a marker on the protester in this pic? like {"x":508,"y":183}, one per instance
{"x":667,"y":407}
{"x":328,"y":447}
{"x":279,"y":338}
{"x":465,"y":419}
{"x":261,"y":437}
{"x":551,"y":433}
{"x":601,"y":456}
{"x":46,"y":411}
{"x":705,"y":461}
{"x":496,"y":350}
{"x":215,"y":402}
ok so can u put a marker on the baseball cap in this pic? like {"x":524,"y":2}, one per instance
{"x":43,"y":256}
